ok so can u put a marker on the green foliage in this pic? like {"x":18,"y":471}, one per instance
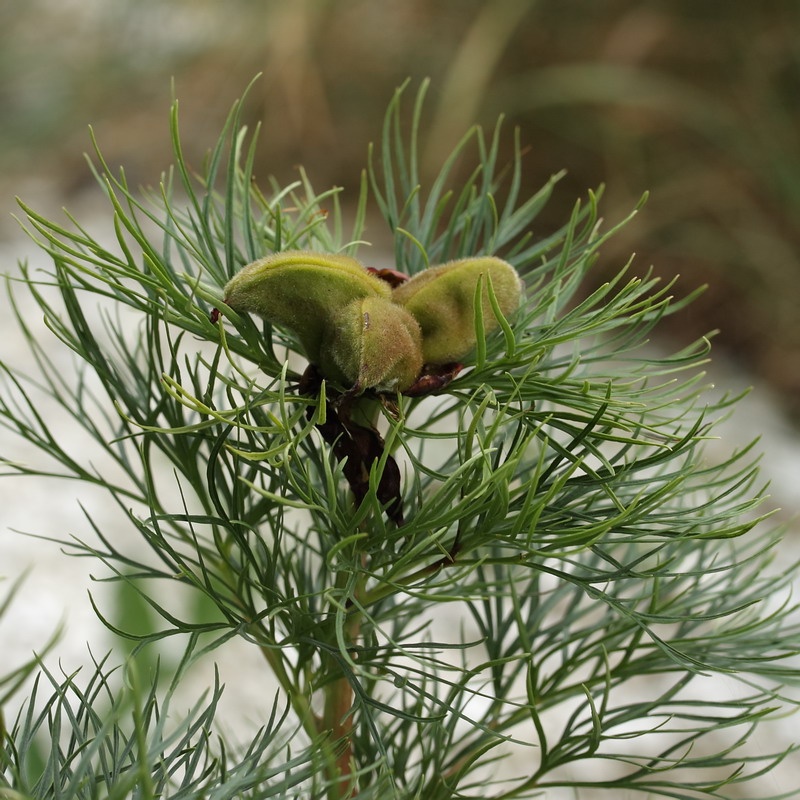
{"x":591,"y":567}
{"x":106,"y":742}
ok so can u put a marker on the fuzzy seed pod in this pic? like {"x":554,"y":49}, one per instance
{"x":442,"y":298}
{"x":374,"y":344}
{"x":302,"y":291}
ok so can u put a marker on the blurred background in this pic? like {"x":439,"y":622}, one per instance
{"x":697,"y":102}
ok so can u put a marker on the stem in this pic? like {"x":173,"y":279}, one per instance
{"x":338,"y":719}
{"x":338,"y":713}
{"x":388,"y":589}
{"x":299,"y":701}
{"x":335,"y":766}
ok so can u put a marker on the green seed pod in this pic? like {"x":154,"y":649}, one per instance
{"x":442,"y":301}
{"x":374,"y":344}
{"x":302,"y":291}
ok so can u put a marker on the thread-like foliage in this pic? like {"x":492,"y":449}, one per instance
{"x":595,"y":570}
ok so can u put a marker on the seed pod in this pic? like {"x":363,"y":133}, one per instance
{"x":302,"y":291}
{"x":442,"y":300}
{"x":373,"y":344}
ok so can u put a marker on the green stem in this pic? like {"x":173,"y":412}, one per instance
{"x":300,"y":702}
{"x":387,"y":589}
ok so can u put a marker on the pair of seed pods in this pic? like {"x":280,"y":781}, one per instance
{"x":361,"y":330}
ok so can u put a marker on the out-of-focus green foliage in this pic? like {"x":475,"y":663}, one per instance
{"x":696,"y":102}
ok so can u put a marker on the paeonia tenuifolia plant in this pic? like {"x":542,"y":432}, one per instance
{"x":444,"y":487}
